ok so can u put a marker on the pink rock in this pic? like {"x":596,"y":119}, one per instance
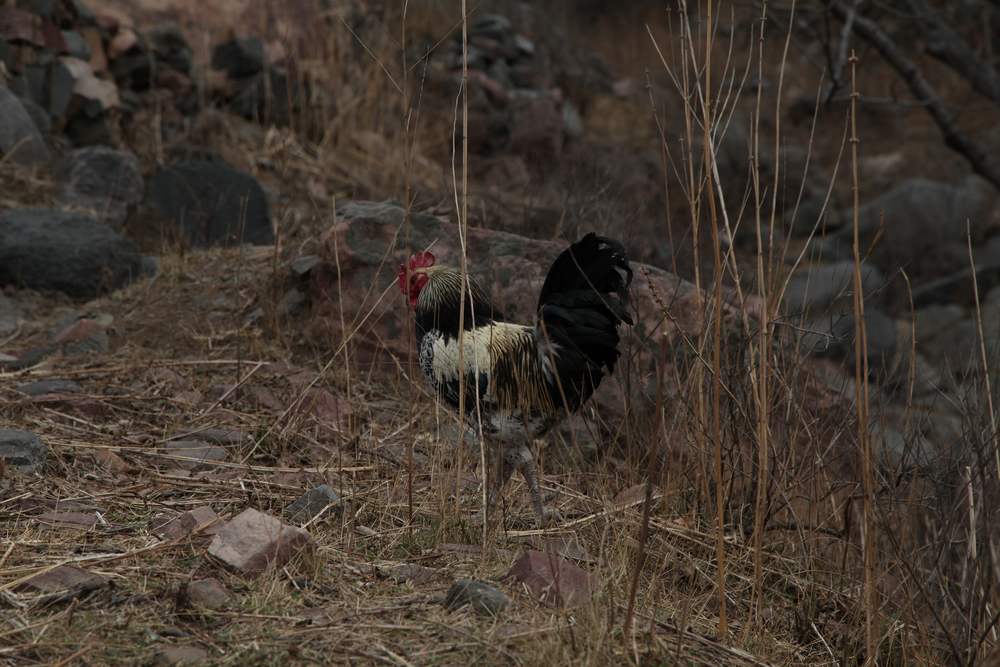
{"x":254,"y":541}
{"x":122,"y":43}
{"x":553,"y":579}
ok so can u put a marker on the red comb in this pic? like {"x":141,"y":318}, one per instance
{"x":421,"y":260}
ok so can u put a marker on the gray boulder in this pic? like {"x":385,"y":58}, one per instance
{"x":211,"y":203}
{"x":19,"y":137}
{"x":66,"y":252}
{"x":103,"y":180}
{"x":22,"y":450}
{"x":813,"y":288}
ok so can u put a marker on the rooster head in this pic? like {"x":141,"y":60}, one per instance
{"x":411,"y":278}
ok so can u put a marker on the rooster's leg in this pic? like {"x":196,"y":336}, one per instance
{"x":526,"y":464}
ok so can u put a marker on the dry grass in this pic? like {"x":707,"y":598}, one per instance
{"x":768,"y":470}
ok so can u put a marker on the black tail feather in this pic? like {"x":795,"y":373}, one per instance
{"x":583,"y":300}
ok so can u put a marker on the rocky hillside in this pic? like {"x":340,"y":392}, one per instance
{"x":215,"y":447}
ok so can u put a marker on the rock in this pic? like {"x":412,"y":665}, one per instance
{"x":210,"y":203}
{"x":572,"y":120}
{"x":252,"y":541}
{"x":95,"y":44}
{"x":239,"y":57}
{"x":124,"y":41}
{"x":524,"y":45}
{"x":188,"y":523}
{"x":206,"y":593}
{"x":301,"y":266}
{"x":64,"y":578}
{"x":197,"y":450}
{"x":22,"y":450}
{"x":171,"y":48}
{"x":81,"y":336}
{"x":20,"y":140}
{"x":268,"y":97}
{"x":311,"y":503}
{"x":181,"y":654}
{"x":494,"y":26}
{"x":39,"y":116}
{"x":481,"y":596}
{"x":18,"y":25}
{"x":936,"y":320}
{"x":76,"y":45}
{"x":77,"y":520}
{"x":815,"y":287}
{"x":74,"y":78}
{"x":53,"y":386}
{"x":553,"y":579}
{"x":921,"y":220}
{"x":834,"y":338}
{"x":55,"y":250}
{"x":104,"y":181}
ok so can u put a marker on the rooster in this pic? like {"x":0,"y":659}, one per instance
{"x":521,"y":380}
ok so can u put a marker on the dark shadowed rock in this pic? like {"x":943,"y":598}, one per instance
{"x":270,"y":96}
{"x":105,"y":181}
{"x":254,"y":541}
{"x":42,"y":387}
{"x":170,"y":47}
{"x":815,"y":287}
{"x":924,"y":224}
{"x":19,"y":137}
{"x":239,"y":57}
{"x":311,"y":503}
{"x":39,"y":116}
{"x":22,"y":450}
{"x":64,"y":578}
{"x":833,"y":336}
{"x":67,"y":252}
{"x":482,"y":597}
{"x":211,"y":203}
{"x":553,"y":579}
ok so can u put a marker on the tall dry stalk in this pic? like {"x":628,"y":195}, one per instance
{"x":718,"y":271}
{"x":763,"y":341}
{"x":982,"y":351}
{"x":861,"y":387}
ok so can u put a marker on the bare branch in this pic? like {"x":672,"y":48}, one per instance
{"x":951,"y":48}
{"x":925,"y":93}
